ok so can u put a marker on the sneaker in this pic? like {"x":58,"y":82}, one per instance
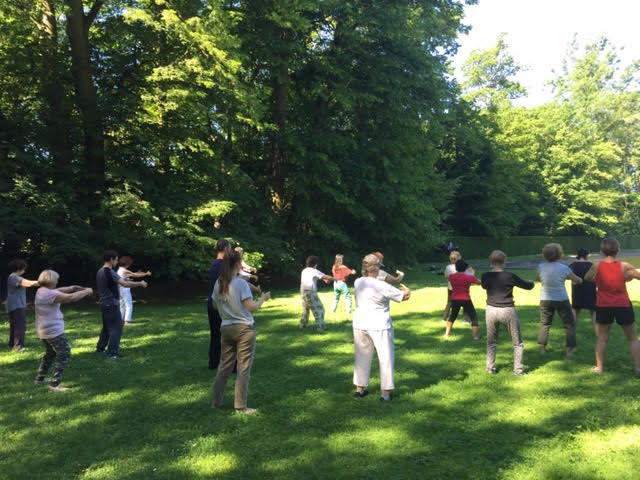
{"x":57,"y":388}
{"x":113,"y":356}
{"x":41,"y":381}
{"x":491,"y":371}
{"x":476,"y":338}
{"x":98,"y":351}
{"x":360,"y":394}
{"x":247,"y":410}
{"x":596,"y":370}
{"x":385,"y":398}
{"x":127,"y":324}
{"x":519,"y":374}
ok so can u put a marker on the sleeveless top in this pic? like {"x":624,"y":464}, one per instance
{"x":612,"y":289}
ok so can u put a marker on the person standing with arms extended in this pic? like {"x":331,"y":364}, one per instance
{"x":501,"y":310}
{"x":234,"y":302}
{"x":17,"y":303}
{"x":309,"y":293}
{"x":340,"y":272}
{"x":372,"y":328}
{"x":108,"y":282}
{"x":50,"y":326}
{"x":583,"y":295}
{"x":223,"y":247}
{"x":126,"y":302}
{"x":553,"y":297}
{"x":612,"y":302}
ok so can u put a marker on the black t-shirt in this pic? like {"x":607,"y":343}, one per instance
{"x":214,"y":273}
{"x":499,"y":287}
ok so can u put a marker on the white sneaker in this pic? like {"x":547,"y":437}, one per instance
{"x":57,"y":388}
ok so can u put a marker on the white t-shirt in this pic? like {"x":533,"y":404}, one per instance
{"x":230,"y":307}
{"x":121,"y":273}
{"x":49,"y":319}
{"x":308,"y":278}
{"x":382,"y":275}
{"x":448,"y":270}
{"x":372,"y":303}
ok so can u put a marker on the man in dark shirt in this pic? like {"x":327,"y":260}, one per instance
{"x":223,"y":247}
{"x":501,"y":310}
{"x":108,"y":282}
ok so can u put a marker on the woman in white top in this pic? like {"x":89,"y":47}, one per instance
{"x":50,"y":325}
{"x":234,"y":302}
{"x":309,"y":293}
{"x":372,"y":327}
{"x":126,"y":302}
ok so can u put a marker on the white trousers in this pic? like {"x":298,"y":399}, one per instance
{"x":126,"y":304}
{"x":364,"y":342}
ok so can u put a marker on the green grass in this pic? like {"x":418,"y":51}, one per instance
{"x":147,"y":416}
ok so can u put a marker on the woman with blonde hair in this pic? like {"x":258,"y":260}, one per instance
{"x":340,"y":272}
{"x":50,"y":325}
{"x":552,"y":274}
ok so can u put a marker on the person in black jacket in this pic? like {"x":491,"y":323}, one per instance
{"x":501,"y":310}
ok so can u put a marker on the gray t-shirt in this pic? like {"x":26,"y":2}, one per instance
{"x":49,"y":320}
{"x":16,"y":295}
{"x":552,"y":276}
{"x":108,"y":287}
{"x":230,"y":308}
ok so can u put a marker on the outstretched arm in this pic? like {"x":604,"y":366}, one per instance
{"x":252,"y":306}
{"x":397,"y":279}
{"x":130,"y":284}
{"x":29,"y":283}
{"x":73,"y":297}
{"x":629,"y":271}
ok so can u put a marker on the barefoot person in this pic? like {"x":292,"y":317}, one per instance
{"x":17,"y":303}
{"x":341,"y":272}
{"x":108,"y":282}
{"x":126,"y":302}
{"x":583,"y":295}
{"x":309,"y":293}
{"x":234,"y":302}
{"x":50,"y":326}
{"x":501,"y":310}
{"x":460,"y":298}
{"x":552,"y":274}
{"x":612,"y":301}
{"x":372,"y":328}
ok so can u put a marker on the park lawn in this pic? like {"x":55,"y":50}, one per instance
{"x":148,"y":416}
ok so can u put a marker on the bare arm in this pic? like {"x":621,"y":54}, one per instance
{"x":590,"y":276}
{"x":575,"y":279}
{"x":130,"y":284}
{"x":629,"y":271}
{"x":29,"y":283}
{"x":73,"y":297}
{"x":328,"y":278}
{"x":252,"y":306}
{"x":255,"y":289}
{"x":397,"y":279}
{"x":70,"y":289}
{"x":405,"y":291}
{"x":138,"y":274}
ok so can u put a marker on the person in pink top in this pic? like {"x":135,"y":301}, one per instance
{"x":340,"y":272}
{"x":612,"y":301}
{"x":460,"y":283}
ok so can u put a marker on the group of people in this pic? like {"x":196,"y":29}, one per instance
{"x":599,"y":288}
{"x":115,"y":304}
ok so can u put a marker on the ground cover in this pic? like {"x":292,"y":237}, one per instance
{"x":147,"y":415}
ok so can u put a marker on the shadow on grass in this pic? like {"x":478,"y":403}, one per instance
{"x":148,"y":415}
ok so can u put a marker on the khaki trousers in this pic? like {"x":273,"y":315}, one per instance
{"x":238,"y":342}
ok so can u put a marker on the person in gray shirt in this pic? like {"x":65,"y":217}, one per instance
{"x":108,"y":282}
{"x":17,"y":302}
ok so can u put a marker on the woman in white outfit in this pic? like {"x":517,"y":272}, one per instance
{"x":372,"y":327}
{"x":126,"y":303}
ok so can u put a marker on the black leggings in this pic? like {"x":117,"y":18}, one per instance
{"x":467,"y":307}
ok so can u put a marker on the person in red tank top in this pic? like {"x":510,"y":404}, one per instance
{"x":612,"y":301}
{"x":460,"y":298}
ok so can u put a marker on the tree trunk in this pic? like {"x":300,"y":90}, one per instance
{"x":58,"y":113}
{"x":280,"y":95}
{"x":87,"y":100}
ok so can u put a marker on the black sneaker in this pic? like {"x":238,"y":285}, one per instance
{"x":360,"y":394}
